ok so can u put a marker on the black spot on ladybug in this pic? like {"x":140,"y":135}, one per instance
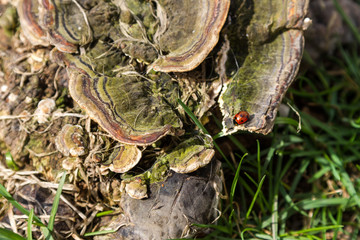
{"x":241,"y":117}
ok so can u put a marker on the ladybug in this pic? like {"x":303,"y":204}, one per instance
{"x":241,"y":117}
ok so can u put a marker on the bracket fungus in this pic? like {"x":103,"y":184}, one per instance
{"x":271,"y":62}
{"x":126,"y":107}
{"x":70,"y":141}
{"x":182,"y":39}
{"x":66,"y":24}
{"x":124,"y":158}
{"x":28,"y":12}
{"x":138,"y":108}
{"x":189,"y":35}
{"x":128,"y":62}
{"x":63,"y":24}
{"x":191,"y":154}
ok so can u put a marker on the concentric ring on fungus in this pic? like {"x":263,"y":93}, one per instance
{"x":202,"y":34}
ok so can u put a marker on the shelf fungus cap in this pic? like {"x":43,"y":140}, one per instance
{"x":271,"y":62}
{"x":191,"y":154}
{"x":129,"y":114}
{"x":63,"y":24}
{"x":28,"y":11}
{"x":71,"y":141}
{"x":129,"y":107}
{"x":66,"y":24}
{"x":124,"y":158}
{"x":136,"y":188}
{"x":190,"y":33}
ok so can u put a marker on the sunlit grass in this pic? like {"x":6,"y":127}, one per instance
{"x":302,"y":185}
{"x":47,"y":230}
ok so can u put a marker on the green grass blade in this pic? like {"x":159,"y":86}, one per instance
{"x":237,"y":143}
{"x":313,"y":230}
{"x":348,"y":21}
{"x":198,"y":123}
{"x":9,"y":235}
{"x":311,"y":204}
{"x":251,"y":179}
{"x":46,"y":233}
{"x":269,"y":156}
{"x":275,"y":217}
{"x":29,"y":225}
{"x":230,"y":220}
{"x":99,"y":233}
{"x":236,"y":178}
{"x":7,"y":195}
{"x":10,"y":162}
{"x":290,"y":202}
{"x":254,"y":199}
{"x":258,"y":157}
{"x":217,"y":227}
{"x":304,"y":165}
{"x":193,"y":117}
{"x":56,"y":203}
{"x":245,"y":230}
{"x":341,"y":174}
{"x":104,"y":213}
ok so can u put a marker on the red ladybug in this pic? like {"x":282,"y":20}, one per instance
{"x":241,"y":117}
